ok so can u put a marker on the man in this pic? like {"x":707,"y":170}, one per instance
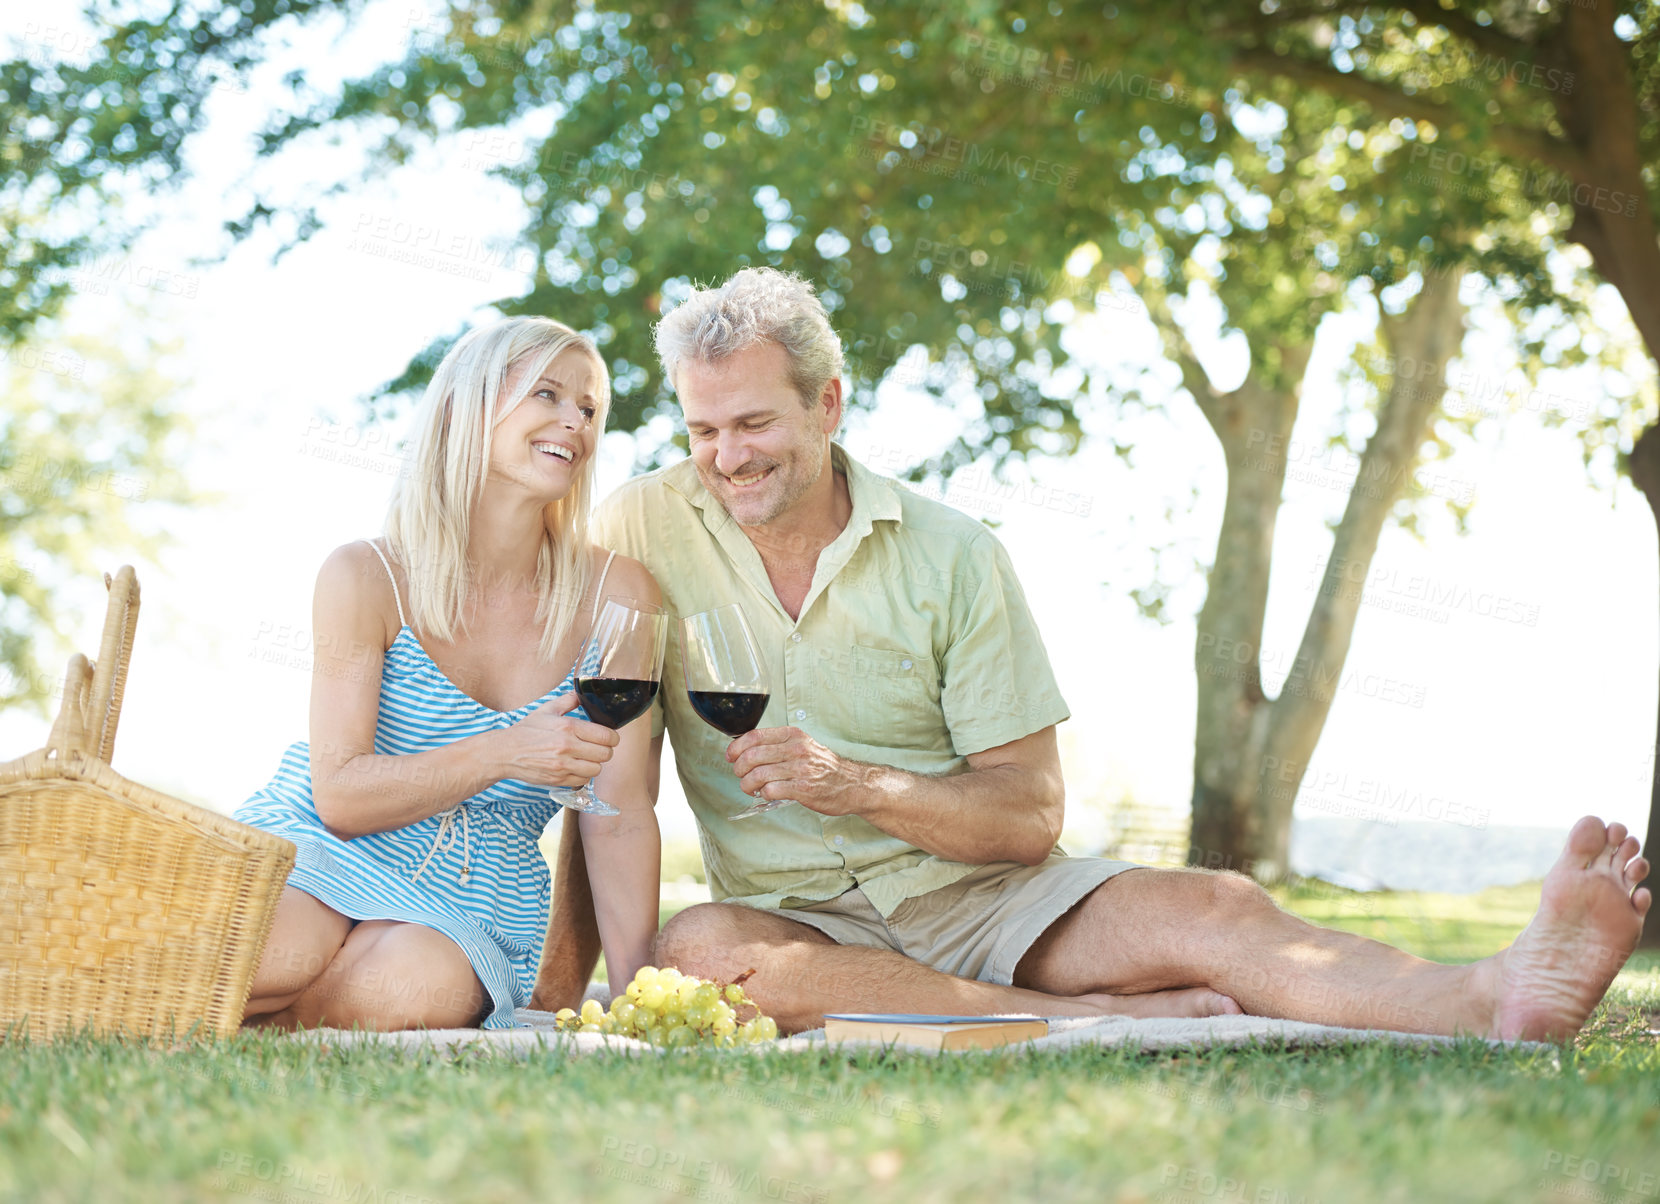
{"x":913,"y":719}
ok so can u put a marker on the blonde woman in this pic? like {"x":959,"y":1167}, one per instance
{"x":442,"y":711}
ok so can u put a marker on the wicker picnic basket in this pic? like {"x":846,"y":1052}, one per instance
{"x":122,"y":910}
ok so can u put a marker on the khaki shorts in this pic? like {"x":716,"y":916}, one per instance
{"x":978,"y":927}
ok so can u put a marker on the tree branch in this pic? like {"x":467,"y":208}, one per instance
{"x":1519,"y":143}
{"x":1428,"y":333}
{"x":1180,"y":352}
{"x":1461,"y":25}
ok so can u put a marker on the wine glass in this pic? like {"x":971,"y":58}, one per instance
{"x":617,"y":676}
{"x":725,"y":680}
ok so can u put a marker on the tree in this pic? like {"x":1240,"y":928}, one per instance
{"x":87,"y":445}
{"x":95,"y":128}
{"x":1537,"y":117}
{"x":959,"y":184}
{"x":909,"y":131}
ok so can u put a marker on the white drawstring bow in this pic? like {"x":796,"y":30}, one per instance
{"x":445,"y":838}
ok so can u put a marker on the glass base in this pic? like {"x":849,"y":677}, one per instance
{"x":764,"y":806}
{"x":582,"y":798}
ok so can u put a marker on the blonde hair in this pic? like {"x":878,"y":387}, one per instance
{"x":428,"y":521}
{"x":756,"y":305}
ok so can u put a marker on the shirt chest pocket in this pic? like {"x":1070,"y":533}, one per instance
{"x":893,"y":699}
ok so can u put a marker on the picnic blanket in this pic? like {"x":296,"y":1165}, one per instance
{"x":539,"y":1031}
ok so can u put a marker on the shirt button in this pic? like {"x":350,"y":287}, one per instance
{"x":795,"y":637}
{"x":904,"y":664}
{"x":801,"y":714}
{"x":838,"y":840}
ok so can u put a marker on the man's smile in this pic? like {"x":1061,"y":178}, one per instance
{"x":750,"y":481}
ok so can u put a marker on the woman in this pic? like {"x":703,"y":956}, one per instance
{"x":419,"y":897}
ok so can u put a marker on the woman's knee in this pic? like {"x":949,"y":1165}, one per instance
{"x":306,"y":935}
{"x":409,"y":976}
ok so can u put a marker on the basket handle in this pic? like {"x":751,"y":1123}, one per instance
{"x":109,"y":677}
{"x":68,"y":735}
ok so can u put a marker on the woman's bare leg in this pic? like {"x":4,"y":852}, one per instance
{"x":305,"y":936}
{"x":390,"y":975}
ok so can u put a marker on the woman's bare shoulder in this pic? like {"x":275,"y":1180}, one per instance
{"x":627,"y":574}
{"x":353,"y":579}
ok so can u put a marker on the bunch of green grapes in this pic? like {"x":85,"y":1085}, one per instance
{"x":675,"y":1010}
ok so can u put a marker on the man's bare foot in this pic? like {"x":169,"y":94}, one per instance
{"x":1185,"y":1001}
{"x":1547,"y":983}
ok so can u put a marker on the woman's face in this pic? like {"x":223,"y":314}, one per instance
{"x":547,"y":439}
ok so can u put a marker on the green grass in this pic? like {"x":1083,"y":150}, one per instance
{"x":255,"y":1118}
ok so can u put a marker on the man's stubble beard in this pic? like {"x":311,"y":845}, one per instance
{"x":811,"y":470}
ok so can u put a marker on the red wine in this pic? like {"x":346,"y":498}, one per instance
{"x":613,"y":701}
{"x":730,"y":711}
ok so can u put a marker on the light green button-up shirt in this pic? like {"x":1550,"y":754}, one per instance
{"x":915,"y":647}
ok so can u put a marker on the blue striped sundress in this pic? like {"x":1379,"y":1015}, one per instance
{"x":473,"y":872}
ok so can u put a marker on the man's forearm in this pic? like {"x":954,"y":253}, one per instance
{"x":1000,"y":813}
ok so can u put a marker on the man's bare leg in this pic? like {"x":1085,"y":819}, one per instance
{"x":1151,"y":929}
{"x":800,"y":974}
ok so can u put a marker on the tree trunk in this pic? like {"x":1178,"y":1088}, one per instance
{"x":1251,"y":752}
{"x":1645,"y":473}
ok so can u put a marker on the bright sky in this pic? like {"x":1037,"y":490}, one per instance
{"x":1531,"y":720}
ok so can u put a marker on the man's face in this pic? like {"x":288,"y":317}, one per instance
{"x":757,"y":449}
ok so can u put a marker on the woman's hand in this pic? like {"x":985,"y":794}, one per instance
{"x":550,"y":748}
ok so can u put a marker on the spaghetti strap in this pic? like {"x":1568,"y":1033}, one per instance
{"x":599,"y":588}
{"x":396,"y":597}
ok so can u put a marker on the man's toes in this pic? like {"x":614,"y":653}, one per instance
{"x":1588,"y":838}
{"x":1616,"y":835}
{"x":1627,"y":850}
{"x":1641,"y":901}
{"x":1635,"y":871}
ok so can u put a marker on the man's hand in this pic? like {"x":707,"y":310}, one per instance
{"x":787,"y":763}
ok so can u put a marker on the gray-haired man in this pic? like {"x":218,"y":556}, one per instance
{"x":913,"y":717}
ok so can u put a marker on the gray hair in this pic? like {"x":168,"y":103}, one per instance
{"x":757,"y":305}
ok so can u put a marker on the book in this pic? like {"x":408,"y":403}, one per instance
{"x":920,"y":1031}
